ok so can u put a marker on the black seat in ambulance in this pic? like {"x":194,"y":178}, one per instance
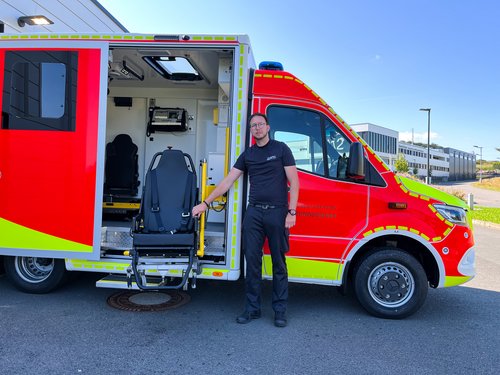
{"x":164,"y":226}
{"x":121,"y":167}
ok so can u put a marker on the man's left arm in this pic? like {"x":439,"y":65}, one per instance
{"x":293,"y":181}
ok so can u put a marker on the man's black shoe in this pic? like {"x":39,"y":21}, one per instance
{"x":280,"y":319}
{"x":247,"y":317}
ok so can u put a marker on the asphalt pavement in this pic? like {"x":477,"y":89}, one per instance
{"x":482,"y":197}
{"x":74,"y":331}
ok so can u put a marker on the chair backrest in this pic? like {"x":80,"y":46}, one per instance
{"x":121,"y":167}
{"x":169,"y":193}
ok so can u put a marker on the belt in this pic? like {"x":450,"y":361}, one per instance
{"x":265,"y":206}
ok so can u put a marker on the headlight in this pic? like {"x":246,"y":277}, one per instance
{"x":455,"y":215}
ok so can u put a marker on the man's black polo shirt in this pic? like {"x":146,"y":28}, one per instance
{"x":265,"y":167}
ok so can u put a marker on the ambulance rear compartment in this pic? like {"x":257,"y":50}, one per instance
{"x":162,"y":98}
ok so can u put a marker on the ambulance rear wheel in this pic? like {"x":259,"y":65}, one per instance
{"x":390,"y":283}
{"x":35,"y":275}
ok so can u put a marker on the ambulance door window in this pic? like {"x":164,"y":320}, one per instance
{"x":39,"y":90}
{"x":306,"y":151}
{"x":301,"y":130}
{"x":53,"y":89}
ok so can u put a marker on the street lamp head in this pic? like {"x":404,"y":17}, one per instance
{"x":425,"y":109}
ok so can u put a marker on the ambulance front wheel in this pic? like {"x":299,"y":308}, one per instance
{"x":35,"y":275}
{"x":390,"y":283}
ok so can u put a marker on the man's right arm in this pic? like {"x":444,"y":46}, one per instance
{"x":223,"y":187}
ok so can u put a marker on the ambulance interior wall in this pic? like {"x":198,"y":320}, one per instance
{"x":199,"y":140}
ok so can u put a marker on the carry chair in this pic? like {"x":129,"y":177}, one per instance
{"x":164,"y":235}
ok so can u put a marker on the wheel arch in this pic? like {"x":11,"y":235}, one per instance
{"x":422,"y":250}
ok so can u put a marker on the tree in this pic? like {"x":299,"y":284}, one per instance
{"x":415,"y":171}
{"x":401,"y":164}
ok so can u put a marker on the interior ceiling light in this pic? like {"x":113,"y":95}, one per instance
{"x":33,"y":21}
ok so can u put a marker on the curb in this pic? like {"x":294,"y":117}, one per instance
{"x":486,"y":224}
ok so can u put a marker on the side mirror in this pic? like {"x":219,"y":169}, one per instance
{"x":356,"y":162}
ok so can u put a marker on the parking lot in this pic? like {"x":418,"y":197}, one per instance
{"x":73,"y":331}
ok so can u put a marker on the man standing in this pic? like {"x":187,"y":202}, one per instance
{"x":271,"y":168}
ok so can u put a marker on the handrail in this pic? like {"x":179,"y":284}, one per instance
{"x":226,"y":153}
{"x":201,"y":248}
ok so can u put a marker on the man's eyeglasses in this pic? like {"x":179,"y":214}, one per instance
{"x":258,"y":125}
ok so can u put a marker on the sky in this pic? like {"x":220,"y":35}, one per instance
{"x":375,"y":61}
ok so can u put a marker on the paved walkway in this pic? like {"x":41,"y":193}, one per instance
{"x":482,"y":197}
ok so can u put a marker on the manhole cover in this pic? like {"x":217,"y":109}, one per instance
{"x":148,"y":301}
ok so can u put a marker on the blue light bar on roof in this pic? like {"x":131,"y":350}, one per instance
{"x":270,"y":65}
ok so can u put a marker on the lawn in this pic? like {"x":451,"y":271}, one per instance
{"x":490,"y":214}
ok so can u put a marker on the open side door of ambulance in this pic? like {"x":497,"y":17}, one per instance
{"x":52,"y":147}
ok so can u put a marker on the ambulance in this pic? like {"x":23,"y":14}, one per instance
{"x":84,"y":115}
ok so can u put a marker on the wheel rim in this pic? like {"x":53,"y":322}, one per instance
{"x":391,"y":284}
{"x":34,"y":270}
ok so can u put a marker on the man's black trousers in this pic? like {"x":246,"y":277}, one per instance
{"x":258,"y":224}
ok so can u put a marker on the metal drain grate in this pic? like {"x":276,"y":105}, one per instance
{"x":148,"y":301}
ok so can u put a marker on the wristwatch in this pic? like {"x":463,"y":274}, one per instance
{"x":292,"y":212}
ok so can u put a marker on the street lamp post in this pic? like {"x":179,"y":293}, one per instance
{"x":480,"y":163}
{"x":428,"y":110}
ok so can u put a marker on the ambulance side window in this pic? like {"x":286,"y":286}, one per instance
{"x":301,"y":131}
{"x":337,"y":148}
{"x":318,"y":146}
{"x":39,"y":90}
{"x":307,"y":152}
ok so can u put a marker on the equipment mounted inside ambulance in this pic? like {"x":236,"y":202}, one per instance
{"x":84,"y":115}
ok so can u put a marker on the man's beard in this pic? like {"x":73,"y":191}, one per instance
{"x":260,"y":137}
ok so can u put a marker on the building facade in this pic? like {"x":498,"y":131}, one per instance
{"x":462,"y":164}
{"x":382,"y":140}
{"x":416,"y":156}
{"x":69,"y":16}
{"x":447,"y":164}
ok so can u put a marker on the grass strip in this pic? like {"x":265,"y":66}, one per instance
{"x":490,"y":214}
{"x":489,"y":184}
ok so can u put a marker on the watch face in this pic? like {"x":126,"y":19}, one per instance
{"x":292,"y":212}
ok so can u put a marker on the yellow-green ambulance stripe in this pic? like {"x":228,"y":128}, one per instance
{"x":455,"y":280}
{"x":307,"y":268}
{"x":19,"y":237}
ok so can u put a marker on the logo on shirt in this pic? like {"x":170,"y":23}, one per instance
{"x":271,"y":157}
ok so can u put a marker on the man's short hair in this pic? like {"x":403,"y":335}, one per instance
{"x":258,"y":114}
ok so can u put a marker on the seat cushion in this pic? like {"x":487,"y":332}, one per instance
{"x":163,"y":239}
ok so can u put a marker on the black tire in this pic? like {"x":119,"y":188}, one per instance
{"x":35,"y":275}
{"x":390,"y":283}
